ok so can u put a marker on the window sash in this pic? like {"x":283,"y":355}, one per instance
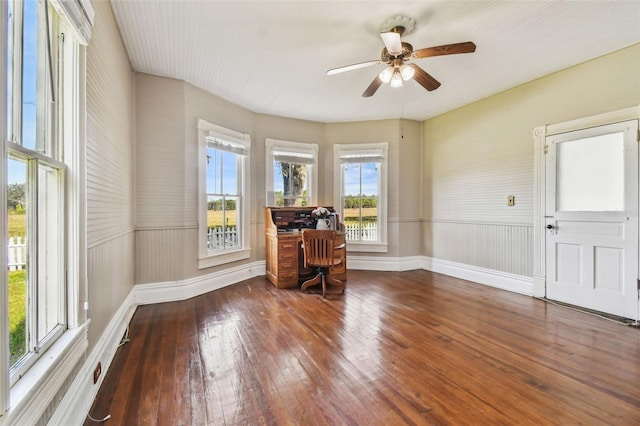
{"x":38,"y":265}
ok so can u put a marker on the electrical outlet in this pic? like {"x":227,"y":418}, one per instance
{"x":511,"y":200}
{"x":96,"y":373}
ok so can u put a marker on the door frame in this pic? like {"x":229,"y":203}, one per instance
{"x":539,"y":165}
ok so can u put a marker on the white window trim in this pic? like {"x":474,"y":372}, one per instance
{"x":4,"y":290}
{"x":27,"y":400}
{"x":302,"y":147}
{"x":380,"y":246}
{"x":205,"y":258}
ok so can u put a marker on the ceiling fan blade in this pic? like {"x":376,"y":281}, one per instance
{"x":353,"y":67}
{"x":424,"y":79}
{"x":446,"y":49}
{"x":372,"y":87}
{"x":392,"y":42}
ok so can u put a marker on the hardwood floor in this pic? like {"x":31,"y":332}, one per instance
{"x":396,"y":348}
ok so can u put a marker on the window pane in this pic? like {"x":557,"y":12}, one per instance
{"x":30,"y":74}
{"x":229,"y":173}
{"x":222,"y":224}
{"x":17,"y":257}
{"x":231,"y":228}
{"x":291,"y":184}
{"x":279,"y":170}
{"x":370,"y":179}
{"x":590,"y":174}
{"x":369,"y":228}
{"x":214,"y":222}
{"x":351,"y":179}
{"x":50,"y":227}
{"x":214,"y":171}
{"x":360,"y":204}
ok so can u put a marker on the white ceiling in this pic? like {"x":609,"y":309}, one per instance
{"x":272,"y":56}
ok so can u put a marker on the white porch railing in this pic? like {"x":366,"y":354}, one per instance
{"x":217,"y":238}
{"x":17,"y":253}
{"x":369,"y":231}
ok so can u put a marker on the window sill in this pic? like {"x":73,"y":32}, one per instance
{"x":367,"y":247}
{"x":223,"y":258}
{"x":31,"y":395}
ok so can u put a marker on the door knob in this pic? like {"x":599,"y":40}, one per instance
{"x":549,"y":226}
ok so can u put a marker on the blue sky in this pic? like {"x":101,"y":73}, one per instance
{"x":369,"y":179}
{"x":229,"y":183}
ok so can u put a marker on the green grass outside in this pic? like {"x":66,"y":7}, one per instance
{"x":17,"y":294}
{"x":214,"y":218}
{"x":369,"y":215}
{"x":17,"y":314}
{"x":17,"y":225}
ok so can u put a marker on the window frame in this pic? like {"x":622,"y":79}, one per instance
{"x":303,"y":148}
{"x":24,"y":399}
{"x":380,"y":149}
{"x":208,"y":258}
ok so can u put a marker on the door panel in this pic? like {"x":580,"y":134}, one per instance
{"x":592,"y":218}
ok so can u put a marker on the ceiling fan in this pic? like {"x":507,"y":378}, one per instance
{"x":396,"y":55}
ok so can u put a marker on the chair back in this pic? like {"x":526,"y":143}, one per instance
{"x":317,"y":245}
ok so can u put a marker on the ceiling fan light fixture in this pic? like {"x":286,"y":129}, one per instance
{"x":396,"y":79}
{"x":386,"y":74}
{"x":407,"y":72}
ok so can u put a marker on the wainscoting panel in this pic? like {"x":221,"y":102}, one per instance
{"x":110,"y":268}
{"x":500,"y":247}
{"x":160,"y":254}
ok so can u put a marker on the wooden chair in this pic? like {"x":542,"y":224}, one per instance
{"x":320,"y":251}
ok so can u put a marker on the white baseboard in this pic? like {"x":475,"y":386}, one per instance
{"x":76,"y":403}
{"x":172,"y":291}
{"x":395,"y":264}
{"x":498,"y":279}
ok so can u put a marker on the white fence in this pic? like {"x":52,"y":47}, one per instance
{"x":369,"y":231}
{"x":17,"y":253}
{"x":217,"y":238}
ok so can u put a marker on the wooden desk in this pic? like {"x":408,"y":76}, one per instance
{"x":285,"y":260}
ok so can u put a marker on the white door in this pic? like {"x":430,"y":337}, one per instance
{"x":592,"y":218}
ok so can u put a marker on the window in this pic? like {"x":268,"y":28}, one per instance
{"x":362,"y":192}
{"x":35,"y":186}
{"x":43,"y":94}
{"x":224,"y":196}
{"x":291,"y":172}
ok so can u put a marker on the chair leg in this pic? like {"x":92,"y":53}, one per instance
{"x":313,"y":281}
{"x":324,"y":286}
{"x":336,"y":282}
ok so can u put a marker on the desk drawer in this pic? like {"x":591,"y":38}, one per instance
{"x":287,"y":265}
{"x":290,"y":245}
{"x":287,"y":256}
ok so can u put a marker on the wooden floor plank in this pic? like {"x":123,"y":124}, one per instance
{"x":396,"y":348}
